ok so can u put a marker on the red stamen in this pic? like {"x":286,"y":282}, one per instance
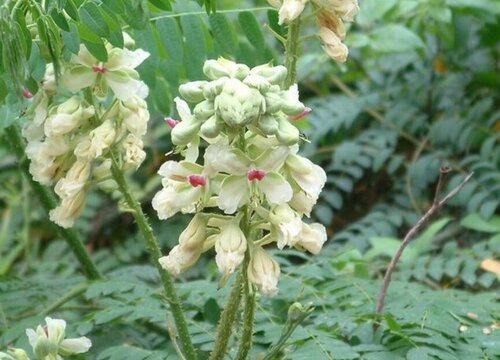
{"x":197,"y":180}
{"x":256,"y":174}
{"x":100,"y":68}
{"x":171,"y":122}
{"x":298,"y":116}
{"x":26,"y":93}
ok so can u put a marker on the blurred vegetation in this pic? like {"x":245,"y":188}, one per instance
{"x":420,"y":89}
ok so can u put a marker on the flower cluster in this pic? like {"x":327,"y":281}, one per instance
{"x":330,"y":16}
{"x":250,"y":171}
{"x":49,"y":343}
{"x":70,"y":137}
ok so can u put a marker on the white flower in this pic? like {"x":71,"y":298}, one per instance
{"x":189,"y":249}
{"x":291,"y":9}
{"x":184,"y":186}
{"x":303,"y":203}
{"x":102,"y":137}
{"x":75,"y":179}
{"x":248,"y":177}
{"x":312,"y":237}
{"x":287,"y":224}
{"x":66,"y":117}
{"x":135,"y":115}
{"x":134,"y":153}
{"x":309,"y":177}
{"x":68,"y":210}
{"x":332,"y":45}
{"x":230,"y":247}
{"x":49,"y":84}
{"x":48,"y":342}
{"x":118,"y":72}
{"x":264,"y":272}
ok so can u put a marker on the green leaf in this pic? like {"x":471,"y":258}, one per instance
{"x":92,"y":17}
{"x":71,"y":10}
{"x":423,"y":242}
{"x":394,"y":38}
{"x":491,"y":6}
{"x":162,"y":4}
{"x":71,"y":39}
{"x":97,"y":49}
{"x":223,"y":33}
{"x":171,"y":38}
{"x":192,"y":28}
{"x":4,"y":90}
{"x":476,"y":222}
{"x":373,"y":10}
{"x":59,"y":19}
{"x":252,"y":30}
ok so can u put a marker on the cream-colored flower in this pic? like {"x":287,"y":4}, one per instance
{"x":75,"y":179}
{"x":312,"y":237}
{"x":135,"y":114}
{"x":230,"y":247}
{"x":134,"y":153}
{"x":287,"y":225}
{"x":291,"y":9}
{"x":68,"y":210}
{"x":102,"y":137}
{"x":264,"y":272}
{"x":332,"y":45}
{"x":66,"y":117}
{"x":308,"y":176}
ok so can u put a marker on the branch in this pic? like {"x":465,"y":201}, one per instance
{"x":436,"y":205}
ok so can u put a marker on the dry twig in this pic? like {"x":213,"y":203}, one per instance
{"x":436,"y":205}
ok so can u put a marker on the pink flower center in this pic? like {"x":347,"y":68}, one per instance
{"x":26,"y":93}
{"x":99,"y":68}
{"x":255,"y":174}
{"x":171,"y":122}
{"x":197,"y":180}
{"x":298,"y":116}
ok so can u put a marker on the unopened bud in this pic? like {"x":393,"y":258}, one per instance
{"x":26,"y":93}
{"x":171,"y":122}
{"x":212,"y":127}
{"x":287,"y":134}
{"x":268,"y":124}
{"x":274,"y":74}
{"x":307,"y":111}
{"x":230,"y":247}
{"x":264,"y":272}
{"x":193,"y":91}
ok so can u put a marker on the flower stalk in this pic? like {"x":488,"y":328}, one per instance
{"x":292,"y":51}
{"x":155,"y":253}
{"x":49,"y":202}
{"x":248,"y":316}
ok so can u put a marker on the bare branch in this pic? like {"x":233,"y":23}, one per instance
{"x":436,"y":205}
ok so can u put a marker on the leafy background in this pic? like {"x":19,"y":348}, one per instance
{"x":420,"y":89}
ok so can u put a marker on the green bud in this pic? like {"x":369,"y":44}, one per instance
{"x":268,"y":124}
{"x":193,"y":91}
{"x":183,"y":132}
{"x":240,"y":71}
{"x":214,"y":88}
{"x":274,"y":74}
{"x":290,"y":101}
{"x":287,"y":134}
{"x":211,"y":128}
{"x":273,"y":102}
{"x":257,"y":82}
{"x":215,"y":69}
{"x":204,"y":110}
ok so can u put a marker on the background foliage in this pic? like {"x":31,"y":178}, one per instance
{"x":420,"y":89}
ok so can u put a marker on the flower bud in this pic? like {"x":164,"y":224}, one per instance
{"x":193,"y":91}
{"x":68,"y":210}
{"x":49,"y":84}
{"x":102,"y":171}
{"x":102,"y":137}
{"x":333,"y":46}
{"x":312,"y":237}
{"x":204,"y":110}
{"x":264,"y":272}
{"x":290,"y":103}
{"x":26,"y":93}
{"x":75,"y":179}
{"x":238,"y":104}
{"x":273,"y":101}
{"x":331,"y":21}
{"x":287,"y":134}
{"x":128,"y":42}
{"x":66,"y":117}
{"x":230,"y":247}
{"x":274,"y":74}
{"x":194,"y":234}
{"x":346,"y":9}
{"x":14,"y":354}
{"x":257,"y":82}
{"x":214,"y":88}
{"x":184,"y":131}
{"x":215,"y":69}
{"x":178,"y":260}
{"x":135,"y":115}
{"x":268,"y":124}
{"x":211,"y":128}
{"x":303,"y":203}
{"x":290,"y":10}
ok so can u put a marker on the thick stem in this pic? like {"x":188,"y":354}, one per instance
{"x":155,"y":254}
{"x":291,"y":51}
{"x":49,"y":202}
{"x":224,"y":329}
{"x":248,"y":316}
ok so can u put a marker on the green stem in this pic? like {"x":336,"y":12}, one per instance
{"x":224,"y":329}
{"x":155,"y":253}
{"x":77,"y":290}
{"x":248,"y":316}
{"x":49,"y":202}
{"x":291,"y":51}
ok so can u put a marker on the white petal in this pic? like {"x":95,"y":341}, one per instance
{"x":183,"y":109}
{"x":78,"y":77}
{"x":311,"y":182}
{"x":32,"y":336}
{"x":75,"y":346}
{"x":123,"y":87}
{"x":273,"y":159}
{"x":55,"y":329}
{"x":233,"y":193}
{"x":124,"y":58}
{"x":84,"y":57}
{"x":221,"y":158}
{"x":312,"y":237}
{"x":276,"y":188}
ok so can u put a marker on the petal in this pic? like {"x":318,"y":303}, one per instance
{"x":313,"y":236}
{"x":55,"y":329}
{"x":183,"y":109}
{"x":125,"y":58}
{"x":233,"y":193}
{"x":174,"y":170}
{"x":221,"y":158}
{"x":311,"y":182}
{"x":123,"y":86}
{"x":276,"y":188}
{"x":75,"y":346}
{"x":84,"y":57}
{"x":32,"y":336}
{"x":78,"y":77}
{"x":273,"y":159}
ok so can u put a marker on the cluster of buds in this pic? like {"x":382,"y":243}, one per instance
{"x":70,"y":138}
{"x":330,"y":16}
{"x":251,"y":176}
{"x":49,"y":343}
